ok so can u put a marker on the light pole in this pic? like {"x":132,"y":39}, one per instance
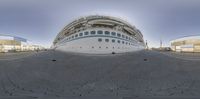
{"x":147,"y":47}
{"x":160,"y":44}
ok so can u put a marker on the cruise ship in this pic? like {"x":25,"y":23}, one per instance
{"x":99,"y":35}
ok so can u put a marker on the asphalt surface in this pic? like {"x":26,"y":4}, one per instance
{"x":184,"y":56}
{"x":14,"y":56}
{"x":137,"y":75}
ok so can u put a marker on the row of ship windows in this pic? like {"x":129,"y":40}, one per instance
{"x":100,"y":32}
{"x":105,"y":47}
{"x":113,"y":41}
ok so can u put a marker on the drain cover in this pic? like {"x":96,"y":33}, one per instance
{"x":113,"y":52}
{"x":53,"y":60}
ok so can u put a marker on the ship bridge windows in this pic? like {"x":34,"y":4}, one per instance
{"x":126,"y":37}
{"x":99,"y":32}
{"x":118,"y":35}
{"x":107,"y":33}
{"x":113,"y":34}
{"x":92,"y":32}
{"x":86,"y":33}
{"x":123,"y":36}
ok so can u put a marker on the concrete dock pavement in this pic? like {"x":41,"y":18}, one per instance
{"x":141,"y":75}
{"x":16,"y":55}
{"x":183,"y":55}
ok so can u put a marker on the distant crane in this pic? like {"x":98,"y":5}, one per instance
{"x":160,"y":44}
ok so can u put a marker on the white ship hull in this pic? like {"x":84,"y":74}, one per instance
{"x":90,"y":44}
{"x":99,"y":35}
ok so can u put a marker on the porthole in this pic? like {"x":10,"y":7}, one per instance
{"x":99,"y":40}
{"x":76,"y":35}
{"x":99,"y":46}
{"x":106,"y":47}
{"x":93,"y":32}
{"x":122,"y":42}
{"x":118,"y":41}
{"x":113,"y":40}
{"x":92,"y":46}
{"x":80,"y":34}
{"x":106,"y":40}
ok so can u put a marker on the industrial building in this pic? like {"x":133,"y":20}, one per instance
{"x":99,"y":35}
{"x":16,"y":44}
{"x":186,"y":44}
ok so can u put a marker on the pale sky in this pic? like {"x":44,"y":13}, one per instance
{"x":41,"y":20}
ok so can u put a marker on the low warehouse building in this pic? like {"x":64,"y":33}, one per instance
{"x":15,"y":44}
{"x":186,"y":44}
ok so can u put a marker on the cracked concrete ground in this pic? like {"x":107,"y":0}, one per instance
{"x":137,"y":75}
